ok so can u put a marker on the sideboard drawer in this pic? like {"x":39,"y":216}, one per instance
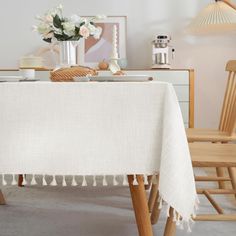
{"x":182,"y":92}
{"x":174,"y":77}
{"x":184,"y":106}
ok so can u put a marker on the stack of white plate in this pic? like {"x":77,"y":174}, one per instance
{"x":114,"y":78}
{"x":14,"y":78}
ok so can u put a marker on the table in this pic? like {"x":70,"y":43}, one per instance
{"x":133,"y":129}
{"x":182,"y":80}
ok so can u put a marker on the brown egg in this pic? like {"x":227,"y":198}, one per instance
{"x":103,"y":65}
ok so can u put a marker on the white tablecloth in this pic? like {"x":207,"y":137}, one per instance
{"x":97,"y":129}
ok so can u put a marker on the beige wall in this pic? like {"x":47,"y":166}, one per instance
{"x":146,"y":18}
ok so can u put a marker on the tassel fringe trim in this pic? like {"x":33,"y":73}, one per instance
{"x":29,"y":179}
{"x":181,"y":222}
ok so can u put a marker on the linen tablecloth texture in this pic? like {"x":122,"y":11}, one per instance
{"x":94,"y":129}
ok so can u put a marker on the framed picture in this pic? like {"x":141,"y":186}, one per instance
{"x":92,"y":51}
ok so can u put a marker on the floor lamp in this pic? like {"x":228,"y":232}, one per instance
{"x":218,"y":16}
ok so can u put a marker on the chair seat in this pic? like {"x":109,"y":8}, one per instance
{"x":213,"y":155}
{"x":208,"y":135}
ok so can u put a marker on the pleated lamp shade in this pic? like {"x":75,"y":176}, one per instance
{"x":216,"y":17}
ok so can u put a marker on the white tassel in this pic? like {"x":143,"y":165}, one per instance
{"x":94,"y":181}
{"x":104,"y":181}
{"x":63,"y":181}
{"x":174,"y":216}
{"x":189,"y":229}
{"x":54,"y":182}
{"x":191,"y":221}
{"x":73,"y":183}
{"x":178,"y":220}
{"x":135,"y":181}
{"x":197,"y":201}
{"x":4,"y":182}
{"x":181,"y":224}
{"x":168,"y":211}
{"x":160,"y":202}
{"x":154,"y":179}
{"x":125,"y":180}
{"x":115,"y":183}
{"x":24,"y":180}
{"x":33,"y":180}
{"x":44,"y":180}
{"x":84,"y":183}
{"x":146,"y":180}
{"x":14,"y":182}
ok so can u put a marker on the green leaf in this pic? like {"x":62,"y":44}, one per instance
{"x":77,"y":30}
{"x":57,"y":21}
{"x":49,"y":40}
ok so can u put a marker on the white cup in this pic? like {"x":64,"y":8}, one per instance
{"x":28,"y":73}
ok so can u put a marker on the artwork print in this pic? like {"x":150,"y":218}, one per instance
{"x":92,"y":51}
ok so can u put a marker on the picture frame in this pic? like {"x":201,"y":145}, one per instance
{"x":91,"y":51}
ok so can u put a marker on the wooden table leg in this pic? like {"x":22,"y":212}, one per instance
{"x":152,"y":197}
{"x":156,"y":211}
{"x":140,"y":206}
{"x":153,"y":194}
{"x":2,"y":199}
{"x":147,"y":186}
{"x":20,"y":181}
{"x":170,"y":224}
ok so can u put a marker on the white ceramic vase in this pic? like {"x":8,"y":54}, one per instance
{"x":68,"y":53}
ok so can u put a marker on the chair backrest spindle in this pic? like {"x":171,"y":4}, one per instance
{"x":228,"y":114}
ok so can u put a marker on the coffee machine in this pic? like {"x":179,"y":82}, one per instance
{"x":161,"y":52}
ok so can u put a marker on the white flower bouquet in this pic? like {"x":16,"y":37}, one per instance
{"x":53,"y":26}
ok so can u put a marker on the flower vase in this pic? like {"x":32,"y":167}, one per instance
{"x":68,"y":53}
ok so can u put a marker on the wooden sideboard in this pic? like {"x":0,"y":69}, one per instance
{"x":182,"y":80}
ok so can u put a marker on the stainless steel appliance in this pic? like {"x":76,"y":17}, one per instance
{"x":161,"y":52}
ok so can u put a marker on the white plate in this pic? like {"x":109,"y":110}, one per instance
{"x":121,"y":78}
{"x":10,"y":78}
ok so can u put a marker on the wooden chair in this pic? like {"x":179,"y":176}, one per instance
{"x":205,"y":155}
{"x":215,"y":155}
{"x":226,"y":131}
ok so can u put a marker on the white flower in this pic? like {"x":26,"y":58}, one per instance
{"x":97,"y":33}
{"x":69,"y":28}
{"x":55,"y":11}
{"x":57,"y":31}
{"x":43,"y":28}
{"x":84,"y":20}
{"x":75,"y":19}
{"x":66,"y":28}
{"x":100,"y":17}
{"x":84,"y":32}
{"x":91,"y":28}
{"x":48,"y":19}
{"x":60,"y":7}
{"x":52,"y":12}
